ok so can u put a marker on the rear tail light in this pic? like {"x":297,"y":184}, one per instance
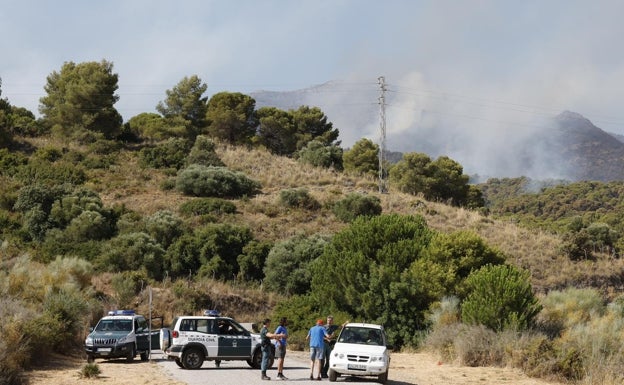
{"x":175,"y":334}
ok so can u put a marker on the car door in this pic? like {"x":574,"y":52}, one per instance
{"x":234,"y":340}
{"x":141,"y":331}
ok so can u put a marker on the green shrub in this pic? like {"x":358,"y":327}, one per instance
{"x":287,"y":269}
{"x":60,"y":172}
{"x":252,"y":260}
{"x":133,"y":252}
{"x":164,"y":226}
{"x":10,"y":162}
{"x":563,"y":309}
{"x":318,"y":154}
{"x":500,"y":297}
{"x":104,"y":146}
{"x":210,"y":251}
{"x":169,"y":154}
{"x":126,"y":286}
{"x":203,"y":153}
{"x":90,"y":371}
{"x":355,"y":205}
{"x":208,"y":181}
{"x":298,"y":198}
{"x":205,"y":206}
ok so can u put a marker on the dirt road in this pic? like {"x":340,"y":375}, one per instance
{"x":405,"y":369}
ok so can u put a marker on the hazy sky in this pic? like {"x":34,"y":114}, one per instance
{"x":488,"y":61}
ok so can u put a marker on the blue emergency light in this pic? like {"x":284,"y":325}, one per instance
{"x":121,"y":312}
{"x":212,"y":313}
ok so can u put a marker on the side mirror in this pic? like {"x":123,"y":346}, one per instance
{"x":90,"y":329}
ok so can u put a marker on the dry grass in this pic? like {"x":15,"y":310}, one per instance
{"x":140,"y":190}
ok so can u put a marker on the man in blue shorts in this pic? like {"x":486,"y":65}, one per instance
{"x":316,"y":336}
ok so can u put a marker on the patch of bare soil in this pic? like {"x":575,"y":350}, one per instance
{"x":405,"y":369}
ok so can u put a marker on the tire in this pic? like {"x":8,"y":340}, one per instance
{"x":179,"y":363}
{"x":192,"y":358}
{"x":256,"y":359}
{"x":382,"y":378}
{"x":165,"y":339}
{"x":90,"y":358}
{"x":131,"y":354}
{"x":144,"y":356}
{"x":331,"y":373}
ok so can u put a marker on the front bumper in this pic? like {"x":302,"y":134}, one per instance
{"x":114,"y":351}
{"x":358,"y":369}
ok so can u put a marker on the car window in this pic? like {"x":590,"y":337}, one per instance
{"x":361,"y":335}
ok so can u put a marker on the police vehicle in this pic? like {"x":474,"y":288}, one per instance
{"x":121,"y":333}
{"x":211,"y":337}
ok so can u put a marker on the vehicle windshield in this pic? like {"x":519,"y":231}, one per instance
{"x":117,"y":325}
{"x":361,"y":335}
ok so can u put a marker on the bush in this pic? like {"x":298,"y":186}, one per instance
{"x":164,"y":227}
{"x":133,"y":252}
{"x":208,"y":181}
{"x":355,"y":205}
{"x":211,"y":251}
{"x":320,"y":155}
{"x":127,"y":285}
{"x":203,"y":153}
{"x":298,"y":198}
{"x":168,"y":154}
{"x":287,"y":269}
{"x":90,"y":371}
{"x":500,"y":297}
{"x":205,"y":206}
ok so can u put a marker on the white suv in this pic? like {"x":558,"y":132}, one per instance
{"x":361,"y":350}
{"x":195,"y":339}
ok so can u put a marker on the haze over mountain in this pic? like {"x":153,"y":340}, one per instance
{"x":505,"y":141}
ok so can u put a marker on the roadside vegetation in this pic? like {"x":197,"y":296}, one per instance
{"x":214,"y":204}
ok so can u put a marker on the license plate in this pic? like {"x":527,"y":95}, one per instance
{"x":103,"y":350}
{"x":356,"y":366}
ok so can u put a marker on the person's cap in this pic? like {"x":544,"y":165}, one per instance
{"x":319,"y":321}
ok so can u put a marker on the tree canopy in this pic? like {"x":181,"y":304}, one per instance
{"x":231,"y":117}
{"x":185,"y":105}
{"x":81,"y":97}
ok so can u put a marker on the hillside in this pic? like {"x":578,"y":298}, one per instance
{"x":138,"y":189}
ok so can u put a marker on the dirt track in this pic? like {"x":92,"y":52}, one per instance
{"x":405,"y":369}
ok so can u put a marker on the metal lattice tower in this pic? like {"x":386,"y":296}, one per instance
{"x":382,"y":137}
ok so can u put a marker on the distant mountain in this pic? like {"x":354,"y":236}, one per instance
{"x":567,"y":146}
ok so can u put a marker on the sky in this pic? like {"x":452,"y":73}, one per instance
{"x":479,"y":63}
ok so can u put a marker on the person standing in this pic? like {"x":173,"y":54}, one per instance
{"x":316,"y":334}
{"x":280,"y":347}
{"x":329,"y":342}
{"x":266,"y":337}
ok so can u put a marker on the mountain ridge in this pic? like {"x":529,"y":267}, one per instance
{"x":566,"y":146}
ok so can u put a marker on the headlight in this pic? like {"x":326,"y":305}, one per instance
{"x":122,"y":340}
{"x":89,"y":341}
{"x":377,"y":359}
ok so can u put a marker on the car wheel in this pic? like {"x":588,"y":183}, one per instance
{"x":179,"y":363}
{"x":90,"y":359}
{"x":192,"y":359}
{"x":382,"y":378}
{"x":256,"y":360}
{"x":131,"y":354}
{"x":332,"y":375}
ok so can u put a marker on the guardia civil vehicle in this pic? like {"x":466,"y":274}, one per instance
{"x":211,"y":337}
{"x":121,"y":334}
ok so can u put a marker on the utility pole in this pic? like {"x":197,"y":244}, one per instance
{"x":382,"y":140}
